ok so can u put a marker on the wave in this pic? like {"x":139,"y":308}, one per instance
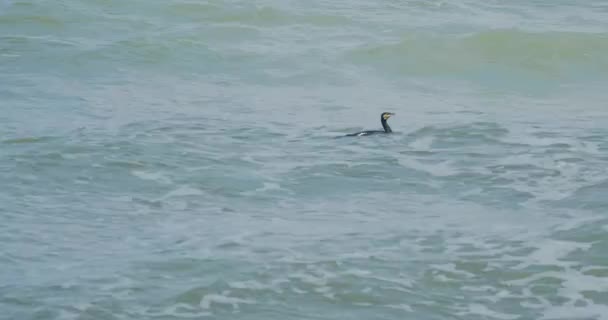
{"x":549,"y":53}
{"x":254,"y":15}
{"x":45,"y":21}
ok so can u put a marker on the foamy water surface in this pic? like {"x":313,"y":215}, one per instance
{"x":177,"y":160}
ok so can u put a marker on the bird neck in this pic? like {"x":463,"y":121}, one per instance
{"x":386,"y":127}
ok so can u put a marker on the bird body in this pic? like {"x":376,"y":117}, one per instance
{"x":365,"y":133}
{"x":383,"y":119}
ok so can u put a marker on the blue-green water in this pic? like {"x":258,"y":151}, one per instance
{"x":176,"y":159}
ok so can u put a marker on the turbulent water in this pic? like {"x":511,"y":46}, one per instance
{"x":178,"y":159}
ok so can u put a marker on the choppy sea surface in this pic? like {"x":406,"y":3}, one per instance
{"x":178,"y":159}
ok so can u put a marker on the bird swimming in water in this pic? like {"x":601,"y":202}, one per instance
{"x":383,"y":118}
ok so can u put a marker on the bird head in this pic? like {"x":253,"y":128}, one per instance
{"x":386,"y":115}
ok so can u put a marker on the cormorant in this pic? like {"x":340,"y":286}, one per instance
{"x":387,"y":129}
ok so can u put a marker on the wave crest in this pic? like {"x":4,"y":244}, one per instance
{"x":544,"y":53}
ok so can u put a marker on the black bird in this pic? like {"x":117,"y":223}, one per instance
{"x":387,"y":129}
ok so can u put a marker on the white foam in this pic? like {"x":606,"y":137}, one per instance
{"x":324,"y":289}
{"x":481,"y":310}
{"x":255,"y":285}
{"x":442,"y":169}
{"x":402,"y":306}
{"x":532,"y":278}
{"x":572,"y":222}
{"x":549,"y":252}
{"x":451,"y":268}
{"x":152,"y":176}
{"x":330,"y":295}
{"x":184,"y":191}
{"x":356,"y":272}
{"x":422,"y":144}
{"x":269,"y":186}
{"x":249,"y":284}
{"x":404,"y":283}
{"x":575,"y":282}
{"x":297,"y":290}
{"x":182,"y":310}
{"x":593,"y":311}
{"x":67,"y":315}
{"x":208,"y":300}
{"x":442,"y":278}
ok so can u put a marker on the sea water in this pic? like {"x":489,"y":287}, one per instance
{"x":178,"y":159}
